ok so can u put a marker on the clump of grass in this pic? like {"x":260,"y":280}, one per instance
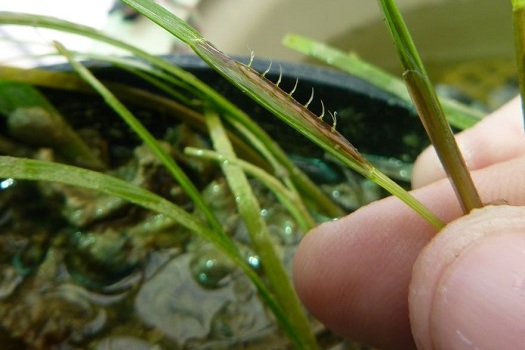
{"x":274,"y":288}
{"x":280,"y":103}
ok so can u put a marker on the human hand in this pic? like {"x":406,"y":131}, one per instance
{"x":468,"y":284}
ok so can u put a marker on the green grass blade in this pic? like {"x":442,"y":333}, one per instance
{"x":430,"y":110}
{"x":459,"y":115}
{"x":300,"y":333}
{"x":172,"y":86}
{"x":37,"y":170}
{"x":518,"y":19}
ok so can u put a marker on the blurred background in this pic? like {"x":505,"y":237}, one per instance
{"x":466,"y":41}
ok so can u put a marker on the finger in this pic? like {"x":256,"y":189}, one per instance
{"x":353,"y":274}
{"x":499,"y":137}
{"x":467,"y":285}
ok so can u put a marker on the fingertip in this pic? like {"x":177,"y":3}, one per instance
{"x":306,"y":264}
{"x":353,"y":275}
{"x":467,"y":284}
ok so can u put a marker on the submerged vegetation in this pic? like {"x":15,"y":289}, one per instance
{"x":160,"y":212}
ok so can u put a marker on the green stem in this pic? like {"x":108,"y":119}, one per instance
{"x":393,"y":188}
{"x":518,"y":18}
{"x":249,"y":209}
{"x":400,"y":193}
{"x":443,"y":140}
{"x":430,"y":110}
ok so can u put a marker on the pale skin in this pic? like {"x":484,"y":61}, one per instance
{"x":382,"y":276}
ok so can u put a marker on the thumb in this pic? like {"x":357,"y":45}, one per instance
{"x":468,"y":284}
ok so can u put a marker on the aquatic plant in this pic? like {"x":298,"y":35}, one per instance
{"x":231,"y":132}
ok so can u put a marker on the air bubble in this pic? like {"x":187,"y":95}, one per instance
{"x":254,"y":261}
{"x":7,"y":183}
